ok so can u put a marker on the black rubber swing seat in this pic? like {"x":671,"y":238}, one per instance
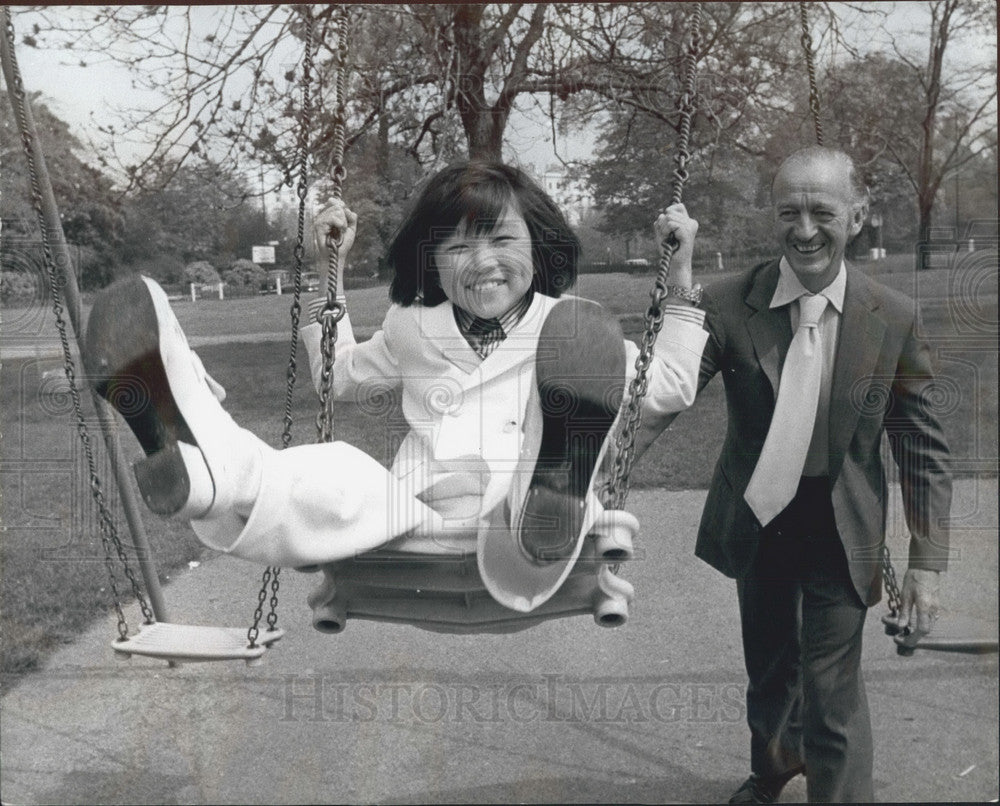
{"x":190,"y":643}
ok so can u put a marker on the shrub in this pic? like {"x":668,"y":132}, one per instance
{"x":201,"y":272}
{"x":17,"y":287}
{"x":244,"y":273}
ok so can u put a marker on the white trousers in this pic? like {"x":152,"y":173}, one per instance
{"x":316,"y":504}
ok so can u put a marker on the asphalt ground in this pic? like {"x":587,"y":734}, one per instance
{"x":564,"y":712}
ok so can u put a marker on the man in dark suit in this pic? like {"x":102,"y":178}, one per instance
{"x":797,"y":506}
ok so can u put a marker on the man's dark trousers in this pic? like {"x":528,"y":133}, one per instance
{"x":802,"y":623}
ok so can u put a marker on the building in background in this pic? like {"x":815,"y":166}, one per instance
{"x":568,"y":190}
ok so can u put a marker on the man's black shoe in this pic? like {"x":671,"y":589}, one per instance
{"x":763,"y":789}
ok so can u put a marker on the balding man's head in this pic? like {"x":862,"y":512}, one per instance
{"x":831,"y":159}
{"x":818,"y":209}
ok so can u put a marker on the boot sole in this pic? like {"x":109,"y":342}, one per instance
{"x":124,"y":361}
{"x":580,"y":376}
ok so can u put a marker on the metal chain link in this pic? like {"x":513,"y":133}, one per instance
{"x":110,"y":540}
{"x":811,"y":69}
{"x":272,"y":616}
{"x":891,"y":585}
{"x":302,"y":189}
{"x":334,"y":309}
{"x":618,"y":485}
{"x":258,"y":613}
{"x":889,"y":580}
{"x":291,"y":373}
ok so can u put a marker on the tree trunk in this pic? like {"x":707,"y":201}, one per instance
{"x":924,"y":209}
{"x":384,"y":191}
{"x":483,"y":130}
{"x":485,"y":136}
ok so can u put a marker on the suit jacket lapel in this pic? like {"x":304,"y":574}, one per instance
{"x":770,"y":330}
{"x":859,"y":343}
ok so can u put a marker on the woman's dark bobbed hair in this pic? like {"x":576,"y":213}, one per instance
{"x":478,"y":193}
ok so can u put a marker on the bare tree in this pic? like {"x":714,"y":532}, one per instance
{"x":958,"y":120}
{"x":440,"y":80}
{"x":430,"y":76}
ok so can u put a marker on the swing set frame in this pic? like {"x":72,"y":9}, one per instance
{"x":158,"y":637}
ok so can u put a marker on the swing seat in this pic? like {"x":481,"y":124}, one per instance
{"x":187,"y":643}
{"x":443,"y":591}
{"x":953,"y":632}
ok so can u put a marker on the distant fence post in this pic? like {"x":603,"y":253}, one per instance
{"x":221,"y":286}
{"x":194,"y":294}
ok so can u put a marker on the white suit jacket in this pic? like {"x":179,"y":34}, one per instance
{"x":465,"y":413}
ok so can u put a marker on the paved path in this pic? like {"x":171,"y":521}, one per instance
{"x":566,"y":712}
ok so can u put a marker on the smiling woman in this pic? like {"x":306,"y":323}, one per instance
{"x":468,"y":204}
{"x":487,"y":271}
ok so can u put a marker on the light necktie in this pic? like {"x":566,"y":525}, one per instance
{"x":779,"y":468}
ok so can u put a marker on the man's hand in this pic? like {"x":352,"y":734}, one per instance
{"x":340,"y":224}
{"x":921,"y":591}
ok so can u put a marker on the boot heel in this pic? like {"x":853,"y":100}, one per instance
{"x":170,"y":478}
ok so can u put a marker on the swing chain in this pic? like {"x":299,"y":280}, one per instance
{"x":108,"y":531}
{"x":889,"y":581}
{"x":334,"y":309}
{"x":811,"y":70}
{"x":895,"y":600}
{"x":625,"y":439}
{"x":272,"y":616}
{"x":270,"y":577}
{"x":302,"y":151}
{"x":302,"y":159}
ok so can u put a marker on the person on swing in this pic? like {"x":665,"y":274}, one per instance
{"x":510,"y":390}
{"x":796,"y":510}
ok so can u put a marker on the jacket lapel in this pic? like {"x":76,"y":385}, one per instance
{"x":859,"y":344}
{"x":770,"y":330}
{"x":437,"y":327}
{"x":520,"y":345}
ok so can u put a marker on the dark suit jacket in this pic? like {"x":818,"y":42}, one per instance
{"x":882,"y":382}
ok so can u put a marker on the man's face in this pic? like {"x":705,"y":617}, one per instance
{"x":815,"y":216}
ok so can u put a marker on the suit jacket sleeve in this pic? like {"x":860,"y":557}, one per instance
{"x":920,"y":451}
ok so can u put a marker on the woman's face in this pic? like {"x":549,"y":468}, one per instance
{"x":487,"y":273}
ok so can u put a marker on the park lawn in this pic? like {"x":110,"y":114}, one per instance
{"x":54,"y":582}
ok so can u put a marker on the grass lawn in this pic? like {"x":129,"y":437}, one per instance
{"x":53,"y":577}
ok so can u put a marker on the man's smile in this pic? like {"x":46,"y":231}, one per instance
{"x":808,"y":249}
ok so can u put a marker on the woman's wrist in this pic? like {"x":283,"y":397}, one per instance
{"x":683,"y":294}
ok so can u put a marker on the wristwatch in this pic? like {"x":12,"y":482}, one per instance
{"x":683,"y":292}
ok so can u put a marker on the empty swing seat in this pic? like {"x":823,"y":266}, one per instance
{"x":187,"y":643}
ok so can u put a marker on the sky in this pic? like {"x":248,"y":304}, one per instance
{"x":81,"y":95}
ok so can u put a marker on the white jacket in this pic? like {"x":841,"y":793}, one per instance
{"x":465,"y":413}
